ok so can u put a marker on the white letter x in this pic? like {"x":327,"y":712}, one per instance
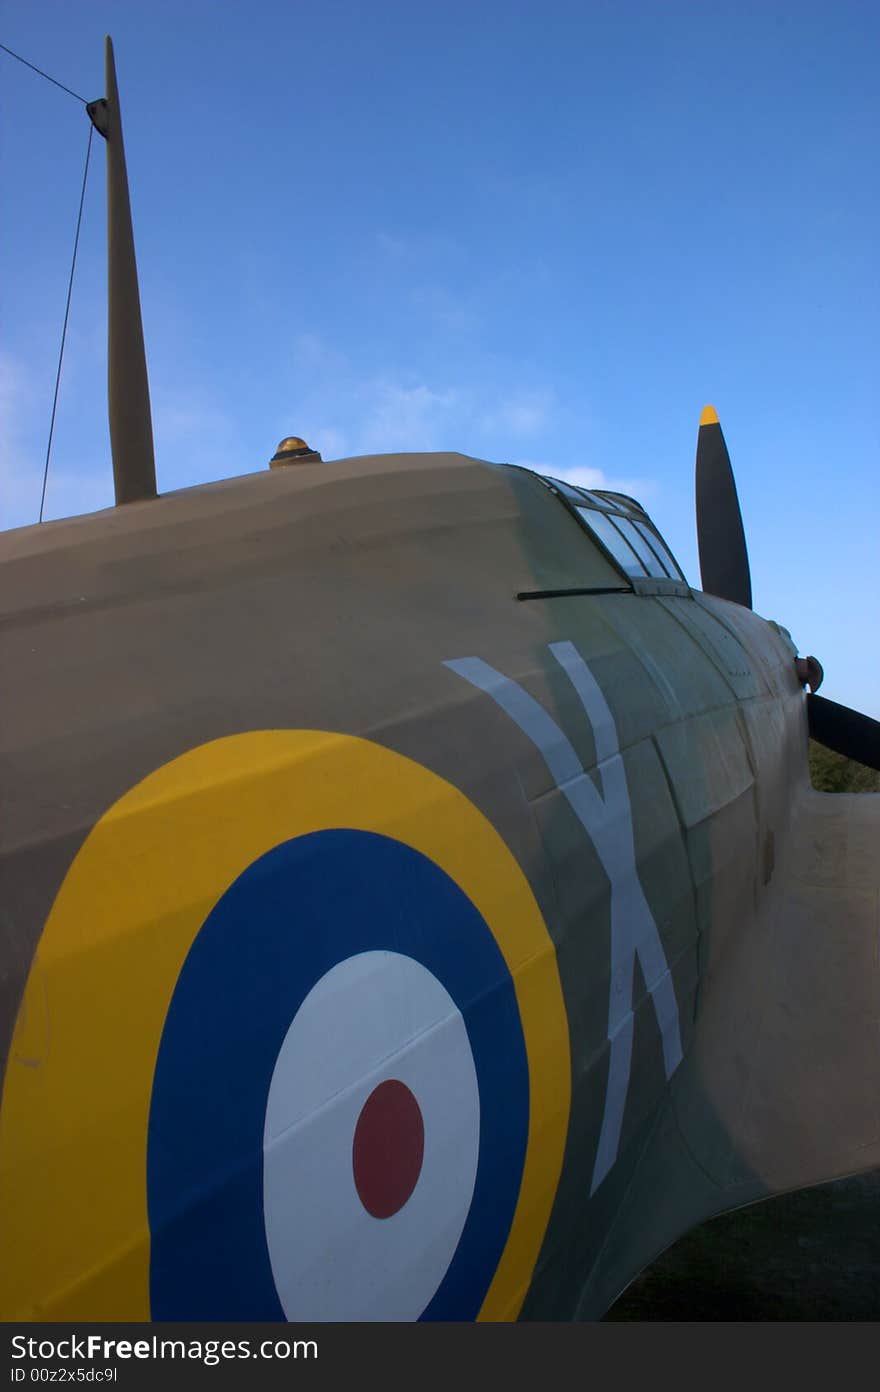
{"x":607,"y":820}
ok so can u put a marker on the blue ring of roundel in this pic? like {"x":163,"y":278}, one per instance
{"x":295,"y":913}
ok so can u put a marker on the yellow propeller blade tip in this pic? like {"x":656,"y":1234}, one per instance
{"x":709,"y":416}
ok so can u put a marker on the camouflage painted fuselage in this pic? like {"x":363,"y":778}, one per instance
{"x":286,"y":764}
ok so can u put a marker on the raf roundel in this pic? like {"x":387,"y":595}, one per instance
{"x":342,"y":994}
{"x":320,"y":1003}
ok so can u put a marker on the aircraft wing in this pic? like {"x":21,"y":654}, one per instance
{"x":800,"y":1093}
{"x":781,"y":1089}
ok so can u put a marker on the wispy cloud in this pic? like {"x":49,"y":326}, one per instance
{"x":429,"y":271}
{"x":341,"y":410}
{"x":393,"y":245}
{"x":407,"y":417}
{"x":586,"y":476}
{"x":20,"y":477}
{"x":417,"y":245}
{"x":450,"y":312}
{"x":330,"y":442}
{"x":312,"y":353}
{"x":69,"y":491}
{"x":521,"y":415}
{"x":345,"y":411}
{"x":195,"y":440}
{"x":375,"y":413}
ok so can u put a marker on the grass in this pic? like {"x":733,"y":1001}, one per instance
{"x":832,"y":773}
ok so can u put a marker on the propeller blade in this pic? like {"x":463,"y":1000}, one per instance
{"x":846,"y":731}
{"x":724,"y":561}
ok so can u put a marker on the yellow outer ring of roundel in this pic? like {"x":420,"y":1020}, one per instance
{"x":76,"y":1100}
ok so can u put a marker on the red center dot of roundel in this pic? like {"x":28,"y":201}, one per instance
{"x":388,"y":1149}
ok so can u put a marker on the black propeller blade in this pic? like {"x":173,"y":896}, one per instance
{"x":724,"y":561}
{"x":846,"y":731}
{"x":724,"y":568}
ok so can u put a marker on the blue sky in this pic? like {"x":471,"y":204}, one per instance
{"x":546,"y":233}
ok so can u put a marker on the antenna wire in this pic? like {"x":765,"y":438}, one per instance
{"x":35,"y":69}
{"x":66,"y":316}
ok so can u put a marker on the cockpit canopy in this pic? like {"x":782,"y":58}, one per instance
{"x":623,"y":529}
